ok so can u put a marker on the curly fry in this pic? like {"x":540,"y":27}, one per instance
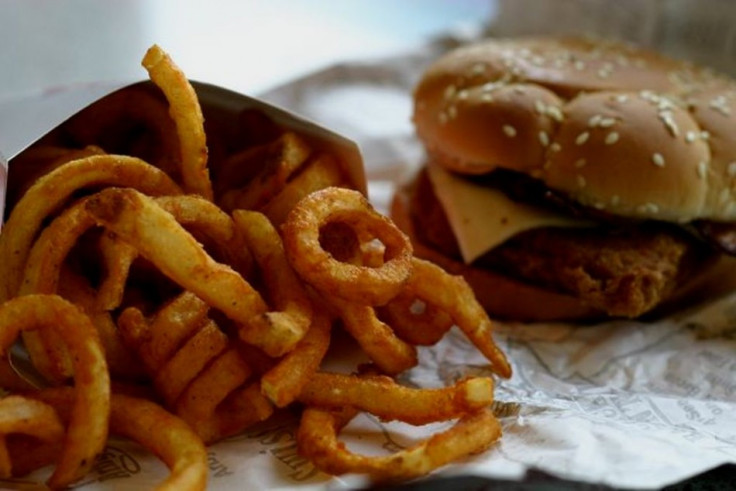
{"x":52,"y":190}
{"x":147,"y":423}
{"x":290,"y":299}
{"x":29,"y":417}
{"x":195,"y":214}
{"x":187,"y":115}
{"x":453,"y":295}
{"x":283,"y":383}
{"x":360,"y":284}
{"x":87,"y":431}
{"x":317,"y":439}
{"x":388,"y":352}
{"x":138,"y":220}
{"x":383,"y":397}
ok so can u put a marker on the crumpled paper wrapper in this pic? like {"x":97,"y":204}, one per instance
{"x":625,"y":403}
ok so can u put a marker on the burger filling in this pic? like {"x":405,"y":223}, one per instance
{"x":622,"y":267}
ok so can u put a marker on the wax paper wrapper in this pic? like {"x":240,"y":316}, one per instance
{"x":632,"y":404}
{"x":626,"y":403}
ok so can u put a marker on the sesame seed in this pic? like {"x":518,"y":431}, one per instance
{"x":615,"y":200}
{"x":594,"y":120}
{"x":555,"y":147}
{"x":720,"y":104}
{"x":579,"y":65}
{"x":450,"y":91}
{"x":691,"y":136}
{"x":478,"y":69}
{"x":607,"y":122}
{"x":581,"y":181}
{"x":543,"y":138}
{"x":658,"y":160}
{"x":463,"y":94}
{"x":704,"y":135}
{"x":647,"y":95}
{"x":582,"y":138}
{"x":611,"y":138}
{"x":702,"y":169}
{"x":666,"y":117}
{"x":732,"y":169}
{"x":650,"y":208}
{"x":622,"y":98}
{"x":555,"y":113}
{"x":487,"y":97}
{"x":452,"y":112}
{"x":519,"y":90}
{"x":509,"y":130}
{"x":539,"y":106}
{"x":579,"y":163}
{"x":671,"y":127}
{"x":664,"y":104}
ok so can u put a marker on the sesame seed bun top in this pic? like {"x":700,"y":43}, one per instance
{"x":614,"y":126}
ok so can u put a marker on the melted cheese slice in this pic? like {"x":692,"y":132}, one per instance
{"x":483,"y":218}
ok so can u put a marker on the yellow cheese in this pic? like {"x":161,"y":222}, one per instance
{"x":483,"y":218}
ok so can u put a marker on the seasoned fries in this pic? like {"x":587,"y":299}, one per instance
{"x":21,"y":415}
{"x":215,"y":300}
{"x":318,"y":441}
{"x":366,"y":285}
{"x":187,"y":115}
{"x":86,"y":433}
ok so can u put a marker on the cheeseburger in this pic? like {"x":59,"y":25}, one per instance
{"x":573,"y":178}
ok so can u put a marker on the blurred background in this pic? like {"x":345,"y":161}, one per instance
{"x":246,"y":45}
{"x":52,"y":48}
{"x":251,"y":45}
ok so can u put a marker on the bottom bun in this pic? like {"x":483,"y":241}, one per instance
{"x":509,"y":299}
